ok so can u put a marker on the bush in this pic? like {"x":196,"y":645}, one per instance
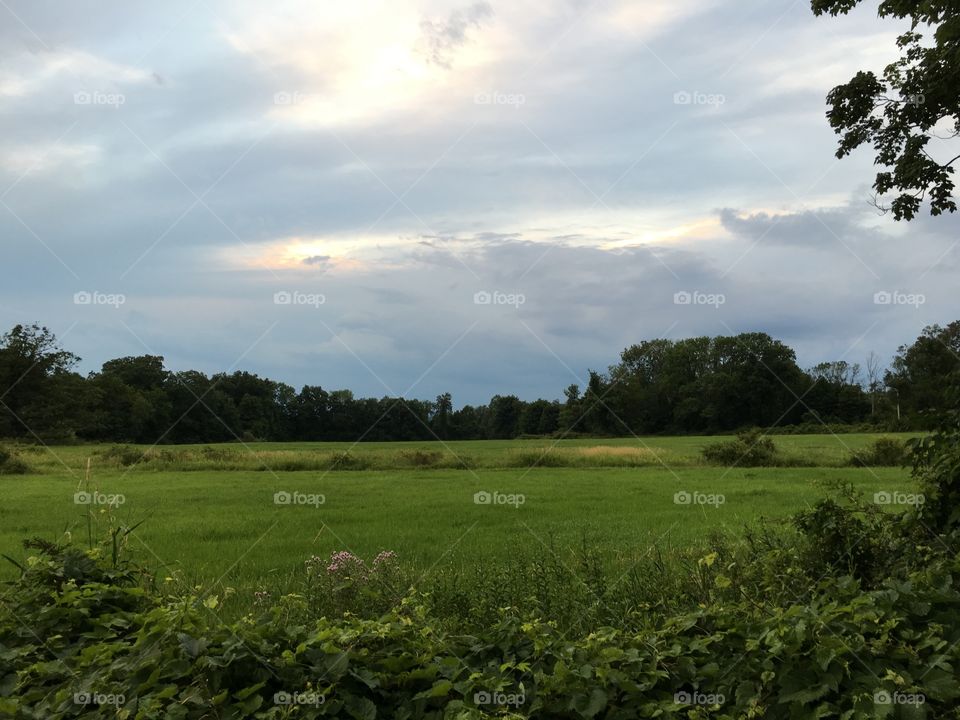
{"x":11,"y":463}
{"x":751,"y":448}
{"x":78,"y":629}
{"x":537,"y":457}
{"x":346,"y":461}
{"x":883,"y":452}
{"x":421,"y":458}
{"x":125,"y":455}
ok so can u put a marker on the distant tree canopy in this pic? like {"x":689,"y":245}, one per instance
{"x":911,"y":112}
{"x":696,"y":385}
{"x":917,"y":377}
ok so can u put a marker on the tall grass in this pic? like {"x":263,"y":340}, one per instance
{"x":235,"y":459}
{"x":744,"y":451}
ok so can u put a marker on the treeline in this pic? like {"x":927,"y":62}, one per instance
{"x":696,"y":385}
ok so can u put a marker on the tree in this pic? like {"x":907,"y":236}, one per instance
{"x":504,"y":416}
{"x":36,"y":384}
{"x":921,"y":371}
{"x":132,"y":404}
{"x":901,"y":112}
{"x":569,"y":416}
{"x":442,"y":412}
{"x":873,"y":380}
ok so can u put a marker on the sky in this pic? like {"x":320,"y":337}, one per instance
{"x":415,"y":197}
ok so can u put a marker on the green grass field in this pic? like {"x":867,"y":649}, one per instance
{"x":210,"y":526}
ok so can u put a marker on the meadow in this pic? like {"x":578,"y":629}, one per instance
{"x":209,"y":515}
{"x":579,"y":579}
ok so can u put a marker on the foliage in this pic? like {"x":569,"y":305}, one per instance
{"x":766,"y":639}
{"x":697,"y":385}
{"x":921,"y":370}
{"x":41,"y":396}
{"x":751,"y":448}
{"x":883,"y":452}
{"x":900,"y":112}
{"x":844,"y":540}
{"x":936,"y":463}
{"x":11,"y":463}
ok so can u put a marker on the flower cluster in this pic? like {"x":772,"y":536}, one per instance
{"x":387,"y":557}
{"x":345,"y":561}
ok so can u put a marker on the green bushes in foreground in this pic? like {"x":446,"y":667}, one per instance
{"x":82,"y":638}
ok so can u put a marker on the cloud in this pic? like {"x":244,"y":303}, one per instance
{"x":321,"y":262}
{"x":341,"y":150}
{"x":442,"y":39}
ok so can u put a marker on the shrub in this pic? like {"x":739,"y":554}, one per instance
{"x":751,"y":448}
{"x":346,"y":461}
{"x":80,"y":628}
{"x":126,"y":455}
{"x":536,"y":457}
{"x":420,"y":457}
{"x":11,"y":463}
{"x":847,"y":539}
{"x":883,"y":452}
{"x":344,"y":583}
